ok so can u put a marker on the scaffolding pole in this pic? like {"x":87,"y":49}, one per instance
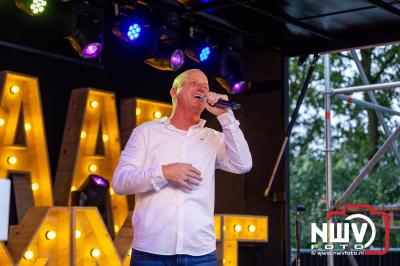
{"x":328,"y":160}
{"x":382,"y":86}
{"x":382,"y":207}
{"x":373,"y":100}
{"x":367,"y":105}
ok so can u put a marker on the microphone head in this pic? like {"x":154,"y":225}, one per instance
{"x":300,"y":208}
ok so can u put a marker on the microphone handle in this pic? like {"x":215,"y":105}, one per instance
{"x":227,"y":104}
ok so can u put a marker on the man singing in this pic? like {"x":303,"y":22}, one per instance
{"x":170,"y":165}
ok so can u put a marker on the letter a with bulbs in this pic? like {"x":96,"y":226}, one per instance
{"x":20,"y":99}
{"x":91,"y":123}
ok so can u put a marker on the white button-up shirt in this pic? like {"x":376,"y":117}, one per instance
{"x":168,"y":219}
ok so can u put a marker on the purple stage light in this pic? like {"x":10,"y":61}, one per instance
{"x":177,"y":59}
{"x":99,"y":180}
{"x":238,"y":87}
{"x":92,"y":50}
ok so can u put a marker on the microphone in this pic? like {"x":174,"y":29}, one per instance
{"x":224,"y":104}
{"x":299,"y":228}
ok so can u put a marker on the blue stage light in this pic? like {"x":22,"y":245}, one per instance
{"x":198,"y":52}
{"x":128,"y":29}
{"x":205,"y":53}
{"x":134,"y":31}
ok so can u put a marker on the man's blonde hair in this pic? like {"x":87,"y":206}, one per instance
{"x":178,"y":81}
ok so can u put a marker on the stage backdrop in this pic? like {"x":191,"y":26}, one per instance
{"x":55,"y":129}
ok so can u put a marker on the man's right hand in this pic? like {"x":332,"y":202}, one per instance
{"x":182,"y":174}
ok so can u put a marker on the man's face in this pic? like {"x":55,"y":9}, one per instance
{"x":194,"y":86}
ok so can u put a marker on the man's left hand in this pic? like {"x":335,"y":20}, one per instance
{"x":211,"y":99}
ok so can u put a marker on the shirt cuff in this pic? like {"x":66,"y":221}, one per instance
{"x":158,"y":180}
{"x":227,"y":119}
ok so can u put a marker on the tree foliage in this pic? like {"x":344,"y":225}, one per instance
{"x":356,"y":135}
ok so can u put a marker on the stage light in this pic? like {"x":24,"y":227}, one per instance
{"x":112,"y":192}
{"x":157,"y":114}
{"x":94,"y":104}
{"x":99,"y":181}
{"x":83,"y":134}
{"x":35,"y":186}
{"x":32,"y":7}
{"x":230,"y":72}
{"x":164,"y":54}
{"x":2,"y":122}
{"x":132,"y":23}
{"x":50,"y":235}
{"x":94,"y":192}
{"x":134,"y":31}
{"x":27,"y":127}
{"x":92,"y":50}
{"x":86,"y":32}
{"x":78,"y":234}
{"x":237,"y":228}
{"x":87,"y":47}
{"x":91,"y":193}
{"x":252,"y":228}
{"x":14,"y":89}
{"x":95,"y":252}
{"x":205,"y":53}
{"x":73,"y":188}
{"x":138,"y":111}
{"x":92,"y":168}
{"x":238,"y":86}
{"x":161,"y":63}
{"x":127,"y":29}
{"x":198,"y":52}
{"x":105,"y":137}
{"x":12,"y":160}
{"x":177,"y":59}
{"x":28,"y":255}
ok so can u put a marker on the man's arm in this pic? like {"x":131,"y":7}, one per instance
{"x":130,"y":176}
{"x":233,"y":153}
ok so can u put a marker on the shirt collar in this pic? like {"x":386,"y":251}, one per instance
{"x":166,"y":121}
